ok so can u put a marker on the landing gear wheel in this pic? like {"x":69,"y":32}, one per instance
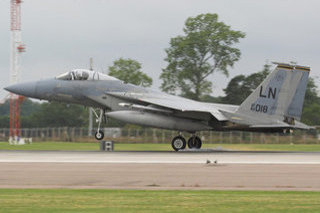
{"x":194,"y":142}
{"x":99,"y":135}
{"x":178,"y":143}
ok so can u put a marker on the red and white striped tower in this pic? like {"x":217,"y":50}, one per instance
{"x":16,"y":49}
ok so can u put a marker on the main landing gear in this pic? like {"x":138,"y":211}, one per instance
{"x":179,"y":143}
{"x":99,"y":135}
{"x":194,"y":142}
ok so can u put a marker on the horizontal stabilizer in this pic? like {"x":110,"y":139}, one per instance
{"x":298,"y":125}
{"x":258,"y":123}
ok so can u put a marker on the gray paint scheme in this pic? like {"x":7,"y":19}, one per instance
{"x":295,"y":108}
{"x":281,"y":95}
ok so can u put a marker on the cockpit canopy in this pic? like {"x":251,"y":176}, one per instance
{"x":83,"y":75}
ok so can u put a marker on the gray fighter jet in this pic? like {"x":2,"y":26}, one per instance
{"x":275,"y":106}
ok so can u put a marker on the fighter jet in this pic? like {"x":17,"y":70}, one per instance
{"x":275,"y":106}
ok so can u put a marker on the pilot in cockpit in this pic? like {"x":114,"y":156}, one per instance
{"x":82,"y":74}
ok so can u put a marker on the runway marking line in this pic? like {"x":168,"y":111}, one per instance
{"x":162,"y":162}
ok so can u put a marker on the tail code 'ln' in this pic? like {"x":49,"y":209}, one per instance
{"x":280,"y":95}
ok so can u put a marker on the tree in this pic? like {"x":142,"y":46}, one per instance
{"x":236,"y":92}
{"x":27,"y":107}
{"x":310,"y":114}
{"x":311,"y":96}
{"x":240,"y":87}
{"x":56,"y":114}
{"x":129,"y":71}
{"x":206,"y":47}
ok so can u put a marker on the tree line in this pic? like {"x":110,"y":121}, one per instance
{"x":206,"y":46}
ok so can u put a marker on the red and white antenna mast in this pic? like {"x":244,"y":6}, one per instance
{"x":16,"y":49}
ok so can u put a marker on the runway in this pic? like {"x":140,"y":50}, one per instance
{"x":160,"y":170}
{"x":160,"y":157}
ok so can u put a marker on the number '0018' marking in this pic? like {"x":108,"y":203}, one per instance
{"x":259,"y":108}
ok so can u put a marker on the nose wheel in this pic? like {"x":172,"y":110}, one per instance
{"x":99,"y":135}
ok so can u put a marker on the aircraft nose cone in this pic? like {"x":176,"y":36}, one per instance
{"x":24,"y":89}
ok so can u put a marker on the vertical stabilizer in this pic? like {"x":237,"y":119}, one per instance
{"x":280,"y":96}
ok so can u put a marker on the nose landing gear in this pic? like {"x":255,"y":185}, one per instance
{"x":99,"y":135}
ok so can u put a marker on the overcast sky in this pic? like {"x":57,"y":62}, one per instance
{"x":62,"y":35}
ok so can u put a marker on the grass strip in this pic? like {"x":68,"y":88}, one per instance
{"x":95,"y":200}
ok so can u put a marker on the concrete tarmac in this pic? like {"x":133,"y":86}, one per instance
{"x":160,"y":170}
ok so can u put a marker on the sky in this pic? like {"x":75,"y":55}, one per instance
{"x":63,"y":35}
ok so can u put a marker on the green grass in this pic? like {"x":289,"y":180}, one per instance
{"x":51,"y":146}
{"x":155,"y":147}
{"x":92,"y":146}
{"x":67,"y":200}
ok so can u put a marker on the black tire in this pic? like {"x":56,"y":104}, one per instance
{"x":194,"y":142}
{"x":99,"y":135}
{"x":178,"y":143}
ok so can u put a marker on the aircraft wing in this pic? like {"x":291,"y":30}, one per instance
{"x":164,"y":101}
{"x":185,"y":105}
